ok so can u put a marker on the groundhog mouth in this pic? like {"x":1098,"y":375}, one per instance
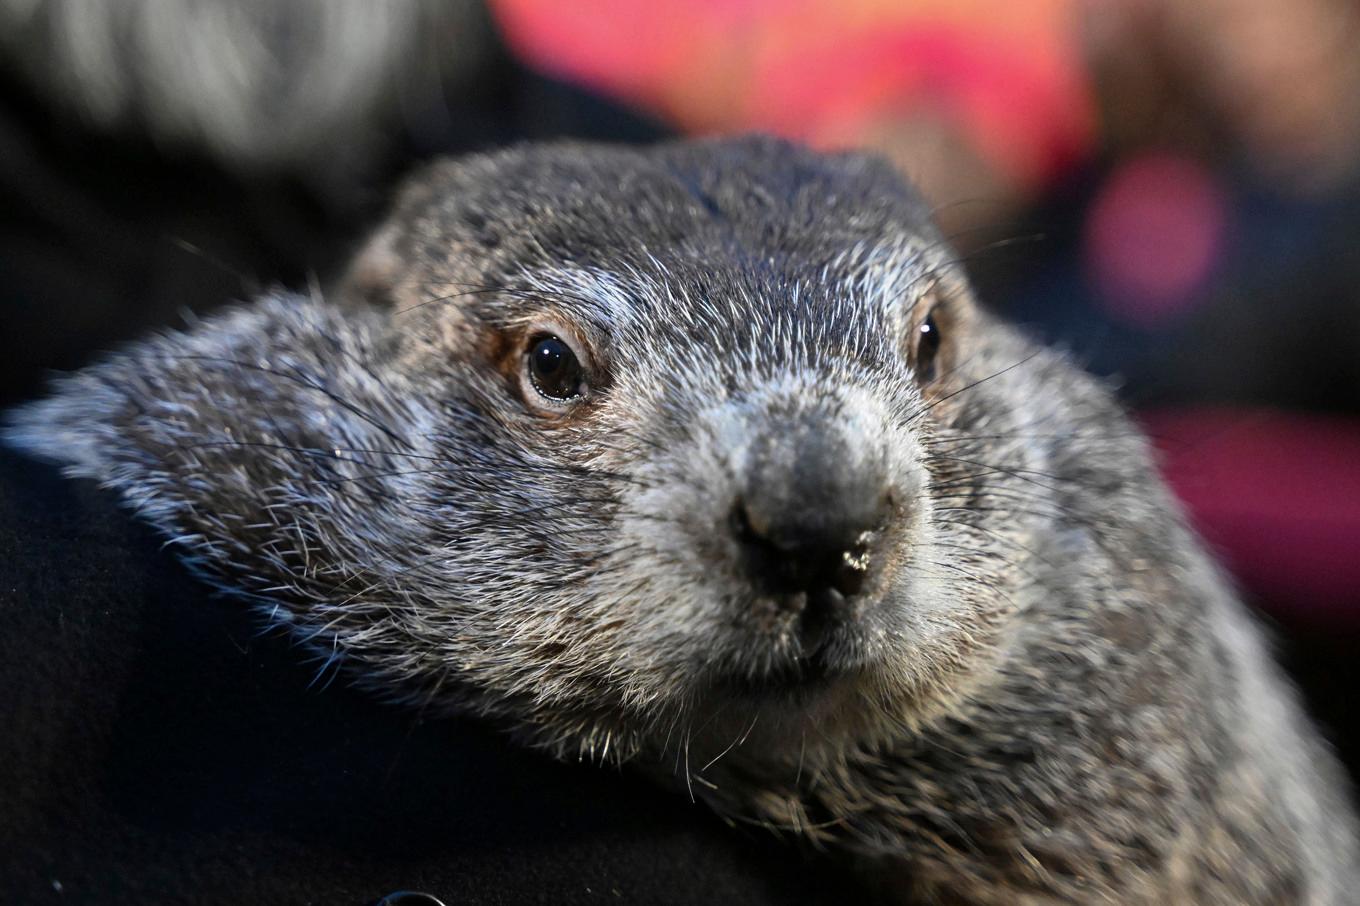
{"x":829,"y":648}
{"x":801,"y":678}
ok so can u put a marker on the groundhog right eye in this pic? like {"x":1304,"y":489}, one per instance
{"x":927,"y":349}
{"x":554,"y":370}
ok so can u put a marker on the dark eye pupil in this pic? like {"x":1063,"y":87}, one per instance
{"x":927,"y":346}
{"x":554,"y":369}
{"x":549,"y":356}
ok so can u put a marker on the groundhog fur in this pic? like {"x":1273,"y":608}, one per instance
{"x":702,"y":458}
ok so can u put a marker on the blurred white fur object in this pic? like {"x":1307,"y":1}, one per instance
{"x":264,"y":85}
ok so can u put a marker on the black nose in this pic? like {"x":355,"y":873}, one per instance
{"x":815,"y":555}
{"x":809,"y":513}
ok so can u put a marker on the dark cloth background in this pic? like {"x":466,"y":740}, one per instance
{"x":157,"y":748}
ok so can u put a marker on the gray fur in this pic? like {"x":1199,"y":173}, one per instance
{"x":1051,"y":695}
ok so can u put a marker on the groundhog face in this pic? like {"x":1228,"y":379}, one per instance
{"x":621,"y":446}
{"x":705,"y":406}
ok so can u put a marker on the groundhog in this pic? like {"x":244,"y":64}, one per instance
{"x":702,"y":458}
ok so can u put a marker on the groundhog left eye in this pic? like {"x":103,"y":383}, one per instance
{"x":554,"y":370}
{"x":927,"y":349}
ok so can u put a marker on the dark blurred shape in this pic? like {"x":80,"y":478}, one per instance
{"x":1276,"y":82}
{"x":312,"y":88}
{"x":116,"y":217}
{"x":1276,"y":324}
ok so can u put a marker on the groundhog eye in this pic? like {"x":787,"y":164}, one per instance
{"x":927,"y":349}
{"x":554,"y":370}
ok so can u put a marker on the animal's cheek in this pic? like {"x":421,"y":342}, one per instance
{"x":955,"y":598}
{"x":650,"y":619}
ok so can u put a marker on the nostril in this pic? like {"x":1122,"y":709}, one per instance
{"x":801,"y":555}
{"x":741,"y":524}
{"x":774,"y":567}
{"x":848,"y":575}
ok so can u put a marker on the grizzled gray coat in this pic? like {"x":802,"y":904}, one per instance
{"x":1015,"y":678}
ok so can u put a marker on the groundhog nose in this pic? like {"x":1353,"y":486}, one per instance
{"x":812,"y":499}
{"x":824,"y":548}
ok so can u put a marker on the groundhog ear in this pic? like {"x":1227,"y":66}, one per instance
{"x":285,"y":372}
{"x":373,"y":278}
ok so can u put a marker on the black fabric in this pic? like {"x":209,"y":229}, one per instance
{"x":155,"y":747}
